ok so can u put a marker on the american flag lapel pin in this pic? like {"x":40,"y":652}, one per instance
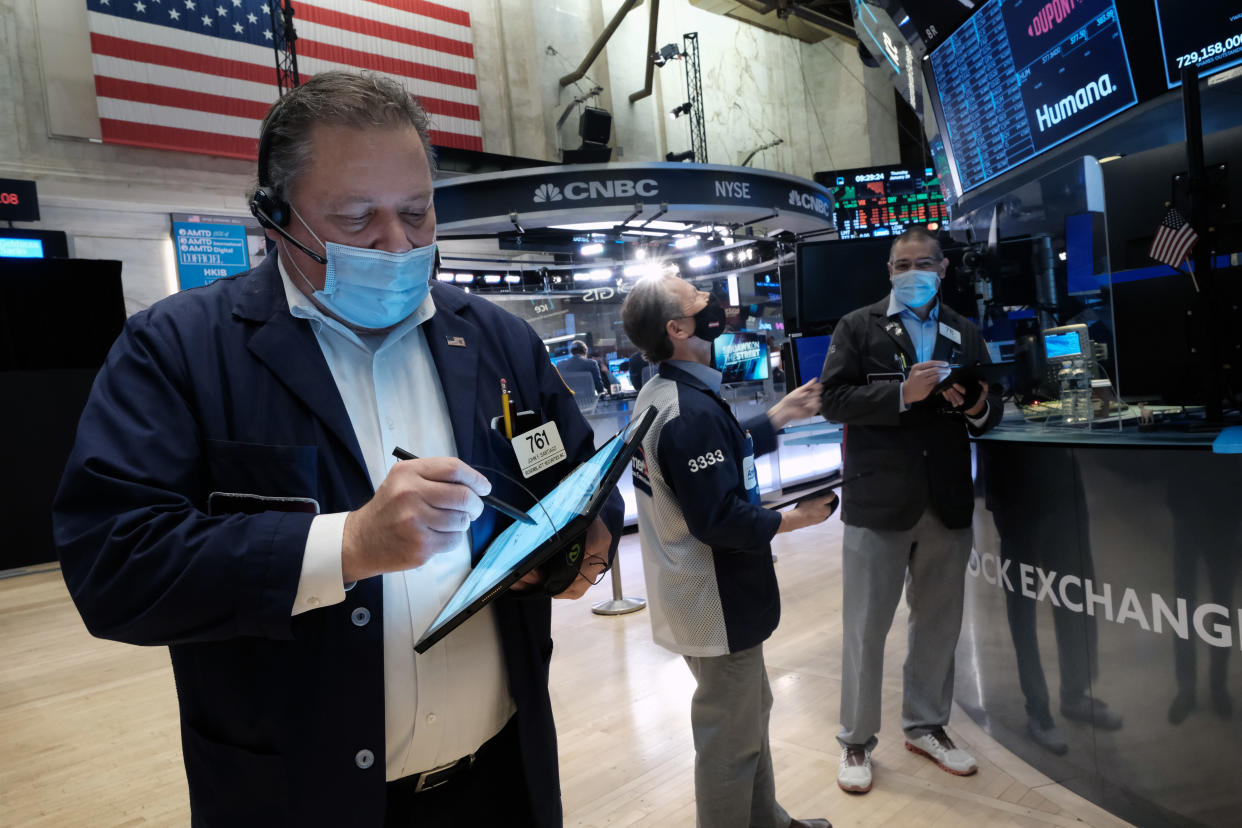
{"x":456,"y":341}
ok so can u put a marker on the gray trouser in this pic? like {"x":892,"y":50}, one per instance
{"x":733,"y":782}
{"x":930,"y":560}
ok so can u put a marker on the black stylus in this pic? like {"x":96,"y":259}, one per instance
{"x":495,"y":502}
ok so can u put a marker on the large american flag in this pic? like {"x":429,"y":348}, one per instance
{"x":199,"y":75}
{"x":1174,"y":239}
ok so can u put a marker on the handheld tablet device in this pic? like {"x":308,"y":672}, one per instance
{"x":993,"y":373}
{"x":561,"y":519}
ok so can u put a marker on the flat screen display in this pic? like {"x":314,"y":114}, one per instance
{"x":810,"y":353}
{"x":1206,"y":32}
{"x":1022,"y":76}
{"x":620,"y":369}
{"x":884,"y":201}
{"x":836,"y":277}
{"x":21,"y":248}
{"x":1062,"y":346}
{"x":741,"y":356}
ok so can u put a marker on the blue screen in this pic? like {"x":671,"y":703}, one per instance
{"x":811,"y":351}
{"x":21,"y":248}
{"x":571,"y":498}
{"x":741,"y":356}
{"x":1060,"y":346}
{"x":1021,"y":76}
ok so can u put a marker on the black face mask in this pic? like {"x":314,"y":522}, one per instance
{"x":709,"y":323}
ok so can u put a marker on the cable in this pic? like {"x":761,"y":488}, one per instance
{"x":819,"y":122}
{"x":922,"y":141}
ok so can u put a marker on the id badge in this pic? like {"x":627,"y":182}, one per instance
{"x":539,"y":449}
{"x":750,"y":478}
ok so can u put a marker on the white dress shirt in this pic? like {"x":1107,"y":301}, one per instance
{"x":444,"y":704}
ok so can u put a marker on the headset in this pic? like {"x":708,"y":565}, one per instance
{"x":271,"y":211}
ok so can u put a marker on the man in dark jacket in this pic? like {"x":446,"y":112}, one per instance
{"x":907,"y":514}
{"x":232,"y":494}
{"x":580,"y":363}
{"x":711,"y":586}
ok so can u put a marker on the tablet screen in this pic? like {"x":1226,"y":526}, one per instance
{"x":572,"y":497}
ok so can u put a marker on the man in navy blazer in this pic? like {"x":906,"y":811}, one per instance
{"x":231,"y":494}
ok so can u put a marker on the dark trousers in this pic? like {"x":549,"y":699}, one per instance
{"x":491,"y":792}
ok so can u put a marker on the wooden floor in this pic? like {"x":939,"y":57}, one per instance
{"x":89,"y":736}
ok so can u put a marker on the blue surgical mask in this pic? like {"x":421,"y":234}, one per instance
{"x":915,"y":288}
{"x":373,"y":289}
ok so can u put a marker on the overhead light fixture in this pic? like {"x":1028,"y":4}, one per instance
{"x":512,"y":278}
{"x":463,"y":278}
{"x":682,"y":242}
{"x":491,"y":279}
{"x":640,"y":254}
{"x":593,"y":249}
{"x":688,"y":155}
{"x":665,"y":54}
{"x":683,"y":109}
{"x":700,"y":262}
{"x":600,"y":275}
{"x":444,"y":276}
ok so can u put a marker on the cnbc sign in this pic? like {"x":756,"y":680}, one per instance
{"x":810,"y":202}
{"x":611,"y":188}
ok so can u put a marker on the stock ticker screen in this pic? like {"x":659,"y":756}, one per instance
{"x":1207,"y":33}
{"x":1021,"y":76}
{"x":883,"y":201}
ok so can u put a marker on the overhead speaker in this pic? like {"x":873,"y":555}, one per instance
{"x":595,"y":125}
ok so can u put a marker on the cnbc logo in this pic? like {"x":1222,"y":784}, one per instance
{"x":548,"y":192}
{"x":809,"y":202}
{"x":579,"y":190}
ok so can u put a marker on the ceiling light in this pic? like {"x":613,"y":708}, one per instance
{"x":682,"y":109}
{"x":463,"y":278}
{"x":512,"y":278}
{"x":491,"y":279}
{"x":600,"y":275}
{"x":640,"y":254}
{"x":444,"y":276}
{"x":700,"y":262}
{"x":682,"y":242}
{"x":593,"y":249}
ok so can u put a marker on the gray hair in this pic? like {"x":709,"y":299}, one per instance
{"x":916,"y":234}
{"x":348,"y":99}
{"x":645,"y":315}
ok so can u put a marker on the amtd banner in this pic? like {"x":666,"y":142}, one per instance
{"x":207,"y":251}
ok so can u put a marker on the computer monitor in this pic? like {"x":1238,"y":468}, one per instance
{"x":1209,"y":36}
{"x":1017,"y":79}
{"x":620,"y":369}
{"x":836,"y":277}
{"x":1066,"y":343}
{"x":741,"y":356}
{"x":809,"y":354}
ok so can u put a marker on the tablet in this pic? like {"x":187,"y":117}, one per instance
{"x":561,"y":518}
{"x":993,"y":373}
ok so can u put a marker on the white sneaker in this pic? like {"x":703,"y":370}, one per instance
{"x":938,"y":747}
{"x":854,"y":775}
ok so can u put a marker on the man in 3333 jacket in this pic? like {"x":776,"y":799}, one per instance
{"x":711,"y":587}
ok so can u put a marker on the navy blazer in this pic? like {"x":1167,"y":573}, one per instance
{"x":222,"y":389}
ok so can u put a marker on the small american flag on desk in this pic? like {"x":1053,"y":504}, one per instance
{"x":1174,"y":239}
{"x":200,"y":75}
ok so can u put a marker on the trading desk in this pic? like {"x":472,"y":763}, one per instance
{"x":1105,"y":563}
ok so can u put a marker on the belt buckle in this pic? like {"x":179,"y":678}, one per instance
{"x":436,"y":777}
